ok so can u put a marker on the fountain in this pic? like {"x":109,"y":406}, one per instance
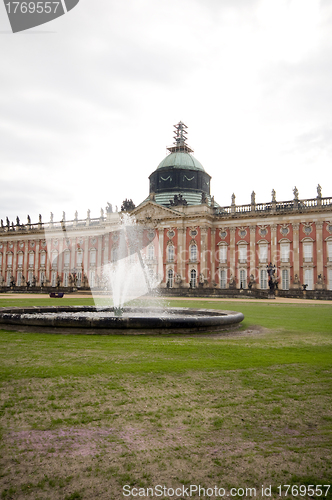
{"x":127,"y":277}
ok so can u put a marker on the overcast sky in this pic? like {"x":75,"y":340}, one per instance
{"x":89,"y":100}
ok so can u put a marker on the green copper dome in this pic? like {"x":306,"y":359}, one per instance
{"x":181,"y":159}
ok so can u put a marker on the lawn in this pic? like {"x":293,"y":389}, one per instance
{"x":84,"y":416}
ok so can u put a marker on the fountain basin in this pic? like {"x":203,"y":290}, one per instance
{"x":103,"y":321}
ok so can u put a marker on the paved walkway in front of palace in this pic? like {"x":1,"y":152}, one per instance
{"x":76,"y":295}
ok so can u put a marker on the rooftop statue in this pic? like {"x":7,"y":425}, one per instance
{"x":296,"y":193}
{"x":319,"y":191}
{"x":273,"y":194}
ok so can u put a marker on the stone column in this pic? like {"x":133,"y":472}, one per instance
{"x":213,"y":256}
{"x":161,"y":254}
{"x":232,"y":252}
{"x":319,"y":250}
{"x":296,"y":254}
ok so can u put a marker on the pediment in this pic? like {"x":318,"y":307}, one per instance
{"x":151,"y":211}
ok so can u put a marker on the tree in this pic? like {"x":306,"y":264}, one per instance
{"x":127,"y":205}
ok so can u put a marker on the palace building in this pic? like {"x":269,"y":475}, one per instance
{"x":188,"y":241}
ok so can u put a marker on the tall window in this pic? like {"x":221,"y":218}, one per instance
{"x":54,"y":260}
{"x":263,"y":252}
{"x":170,"y":253}
{"x":150,"y":252}
{"x":10,"y":261}
{"x":31,"y":259}
{"x":114,"y":254}
{"x":93,"y":254}
{"x":285,"y":279}
{"x":19,"y":278}
{"x":308,"y":278}
{"x":20,"y":260}
{"x":79,"y":278}
{"x":223,"y":278}
{"x":329,"y":251}
{"x":223,"y":254}
{"x":285,"y":250}
{"x":92,"y":278}
{"x":0,"y":259}
{"x":79,"y":257}
{"x":42,"y":278}
{"x":263,"y":279}
{"x":307,"y":251}
{"x":66,"y":259}
{"x":243,"y":253}
{"x":65,"y":278}
{"x":193,"y":253}
{"x":42,"y":258}
{"x":243,"y":278}
{"x":170,"y":278}
{"x":53,"y":280}
{"x":330,"y":279}
{"x":30,"y":277}
{"x":193,"y":278}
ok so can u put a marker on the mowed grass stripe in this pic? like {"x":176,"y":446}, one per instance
{"x":40,"y":355}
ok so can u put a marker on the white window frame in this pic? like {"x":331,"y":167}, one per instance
{"x":66,"y":258}
{"x":93,"y":257}
{"x":31,"y":259}
{"x":307,"y":251}
{"x":223,"y":278}
{"x":170,"y":278}
{"x":9,"y":261}
{"x":309,"y":278}
{"x":329,"y":277}
{"x":263,"y":279}
{"x":329,"y":250}
{"x":243,"y":278}
{"x":193,"y":253}
{"x":263,"y":252}
{"x":223,"y":254}
{"x":242,"y":254}
{"x":79,"y":257}
{"x":284,"y":251}
{"x":193,"y":278}
{"x":170,"y":253}
{"x":20,"y":259}
{"x":285,"y":279}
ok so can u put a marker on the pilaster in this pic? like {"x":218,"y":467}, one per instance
{"x":296,"y":255}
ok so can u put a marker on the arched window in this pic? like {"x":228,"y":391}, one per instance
{"x":170,"y":278}
{"x":170,"y":253}
{"x":31,"y":259}
{"x":329,"y":279}
{"x":263,"y":279}
{"x":285,"y":279}
{"x":10,"y":260}
{"x":308,"y":278}
{"x":150,"y":252}
{"x":114,"y":254}
{"x":285,"y":251}
{"x":193,"y":253}
{"x":193,"y":278}
{"x":307,"y":251}
{"x":54,"y":260}
{"x":20,"y":259}
{"x":79,"y":257}
{"x":223,"y":254}
{"x":93,"y":254}
{"x":243,"y":278}
{"x":223,"y":278}
{"x":66,"y":259}
{"x":329,"y":250}
{"x":42,"y":258}
{"x":263,"y":252}
{"x":242,"y":254}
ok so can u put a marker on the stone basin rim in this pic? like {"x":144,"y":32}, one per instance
{"x":181,"y":319}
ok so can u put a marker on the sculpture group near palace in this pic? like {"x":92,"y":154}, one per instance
{"x":189,"y":242}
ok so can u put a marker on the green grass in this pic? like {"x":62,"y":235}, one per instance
{"x":241,"y":410}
